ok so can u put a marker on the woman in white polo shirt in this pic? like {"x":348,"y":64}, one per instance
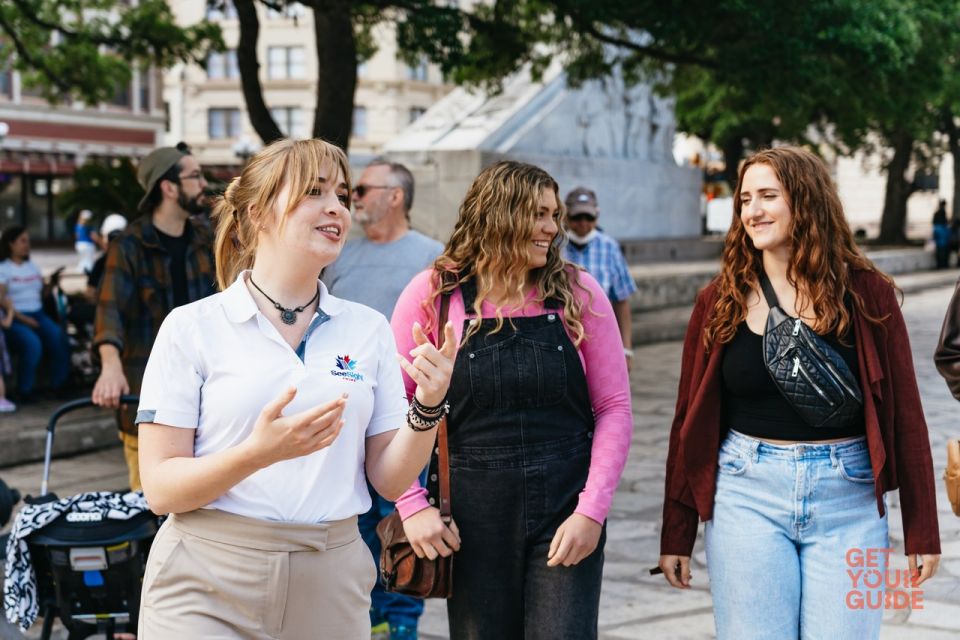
{"x":264,"y":410}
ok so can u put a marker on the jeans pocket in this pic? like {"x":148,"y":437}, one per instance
{"x":855,"y":469}
{"x":733,"y":463}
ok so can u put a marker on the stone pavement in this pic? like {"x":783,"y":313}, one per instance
{"x":635,"y":605}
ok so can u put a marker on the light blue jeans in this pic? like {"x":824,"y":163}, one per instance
{"x":789,"y":523}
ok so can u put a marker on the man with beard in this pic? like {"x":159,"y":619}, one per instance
{"x":161,"y":261}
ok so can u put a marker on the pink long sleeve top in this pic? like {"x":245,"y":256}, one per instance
{"x":601,"y":353}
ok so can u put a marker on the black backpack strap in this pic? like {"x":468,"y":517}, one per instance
{"x":768,"y":291}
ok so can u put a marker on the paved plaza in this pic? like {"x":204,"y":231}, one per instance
{"x":634,"y":604}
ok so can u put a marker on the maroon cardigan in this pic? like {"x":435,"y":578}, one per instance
{"x":896,"y":430}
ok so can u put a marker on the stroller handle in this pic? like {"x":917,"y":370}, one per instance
{"x":58,"y":413}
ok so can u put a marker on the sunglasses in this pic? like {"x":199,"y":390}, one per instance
{"x":361,"y":189}
{"x":580,"y":217}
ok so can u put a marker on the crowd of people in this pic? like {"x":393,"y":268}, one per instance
{"x":291,"y":383}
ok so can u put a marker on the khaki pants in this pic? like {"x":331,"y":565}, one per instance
{"x":215,"y":575}
{"x":131,"y":453}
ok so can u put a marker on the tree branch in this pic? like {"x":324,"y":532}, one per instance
{"x":35,"y":62}
{"x":653,"y":52}
{"x":260,"y":117}
{"x":96,"y":38}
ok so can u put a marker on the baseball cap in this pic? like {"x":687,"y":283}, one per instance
{"x":113,"y":222}
{"x":154,"y":165}
{"x":581,"y":200}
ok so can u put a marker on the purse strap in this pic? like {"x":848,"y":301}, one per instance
{"x":442,"y":452}
{"x":768,"y":292}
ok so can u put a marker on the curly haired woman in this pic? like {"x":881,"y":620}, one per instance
{"x":794,"y":511}
{"x":539,"y":422}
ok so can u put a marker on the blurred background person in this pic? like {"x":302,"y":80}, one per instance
{"x":600,"y":255}
{"x":86,"y":240}
{"x":33,"y":335}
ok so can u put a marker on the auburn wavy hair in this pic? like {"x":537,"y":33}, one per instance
{"x":823,"y":253}
{"x":490,"y":244}
{"x":250,"y":201}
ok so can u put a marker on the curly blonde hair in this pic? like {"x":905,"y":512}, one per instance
{"x":823,"y":250}
{"x":490,"y":244}
{"x":251,"y":198}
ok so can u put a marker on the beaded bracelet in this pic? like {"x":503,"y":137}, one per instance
{"x":430,"y":411}
{"x":418,"y":422}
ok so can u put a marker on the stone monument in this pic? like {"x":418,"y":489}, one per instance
{"x":610,"y":136}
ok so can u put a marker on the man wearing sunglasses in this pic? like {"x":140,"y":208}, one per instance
{"x":374,"y":270}
{"x":161,"y":261}
{"x":600,"y":255}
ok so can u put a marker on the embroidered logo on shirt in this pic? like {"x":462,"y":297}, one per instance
{"x":346,"y":369}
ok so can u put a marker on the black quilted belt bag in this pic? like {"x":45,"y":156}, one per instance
{"x":810,"y":374}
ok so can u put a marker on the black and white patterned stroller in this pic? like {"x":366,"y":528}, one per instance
{"x":80,"y":558}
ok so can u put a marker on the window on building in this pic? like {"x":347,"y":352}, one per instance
{"x":290,"y":120}
{"x":362,"y":69}
{"x":359,"y":122}
{"x":223,"y":123}
{"x":166,"y":116}
{"x":285,"y":62}
{"x":6,"y":84}
{"x":121,"y":98}
{"x":223,"y":65}
{"x":418,"y":71}
{"x":416,"y":112}
{"x":145,"y":102}
{"x":292,"y":10}
{"x":221,"y":10}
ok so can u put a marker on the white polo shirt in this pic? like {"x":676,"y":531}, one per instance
{"x":216,"y":363}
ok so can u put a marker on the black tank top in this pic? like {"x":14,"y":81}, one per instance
{"x":752,"y":403}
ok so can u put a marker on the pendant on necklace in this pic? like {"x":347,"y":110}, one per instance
{"x":288,"y":316}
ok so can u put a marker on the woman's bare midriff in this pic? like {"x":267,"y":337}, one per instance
{"x":789,"y":442}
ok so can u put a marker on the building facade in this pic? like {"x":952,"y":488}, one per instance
{"x":43,"y":144}
{"x":206,"y":108}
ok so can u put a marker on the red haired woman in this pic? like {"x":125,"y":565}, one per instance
{"x":794,"y":510}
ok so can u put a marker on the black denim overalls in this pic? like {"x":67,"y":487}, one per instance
{"x":520,"y":430}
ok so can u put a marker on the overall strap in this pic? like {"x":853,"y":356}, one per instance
{"x":443,"y":452}
{"x":768,"y":291}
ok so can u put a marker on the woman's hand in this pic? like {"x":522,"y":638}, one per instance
{"x":431,"y":367}
{"x":574,"y":540}
{"x":676,"y":569}
{"x":428,"y":535}
{"x":928,"y":567}
{"x":27,"y":320}
{"x":276,"y":437}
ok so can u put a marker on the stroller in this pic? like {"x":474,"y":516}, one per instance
{"x":88,"y":568}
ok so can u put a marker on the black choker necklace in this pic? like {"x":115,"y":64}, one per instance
{"x":288,"y":316}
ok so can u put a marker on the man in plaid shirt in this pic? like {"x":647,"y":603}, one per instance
{"x":161,"y":261}
{"x":600,"y":255}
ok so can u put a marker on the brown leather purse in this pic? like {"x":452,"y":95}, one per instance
{"x":400,"y":569}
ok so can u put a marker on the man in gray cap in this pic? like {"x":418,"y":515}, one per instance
{"x":161,"y":261}
{"x":600,"y":255}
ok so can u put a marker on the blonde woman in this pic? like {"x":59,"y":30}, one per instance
{"x":264,"y":411}
{"x":539,"y":422}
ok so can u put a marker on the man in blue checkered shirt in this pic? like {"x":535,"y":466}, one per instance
{"x":600,"y":255}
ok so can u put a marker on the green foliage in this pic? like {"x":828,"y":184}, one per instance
{"x":85,"y":49}
{"x":104,"y":188}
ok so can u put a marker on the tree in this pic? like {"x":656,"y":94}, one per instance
{"x":103,"y":188}
{"x":85,"y":49}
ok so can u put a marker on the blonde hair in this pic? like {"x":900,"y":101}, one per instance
{"x":251,"y":198}
{"x":490,"y":244}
